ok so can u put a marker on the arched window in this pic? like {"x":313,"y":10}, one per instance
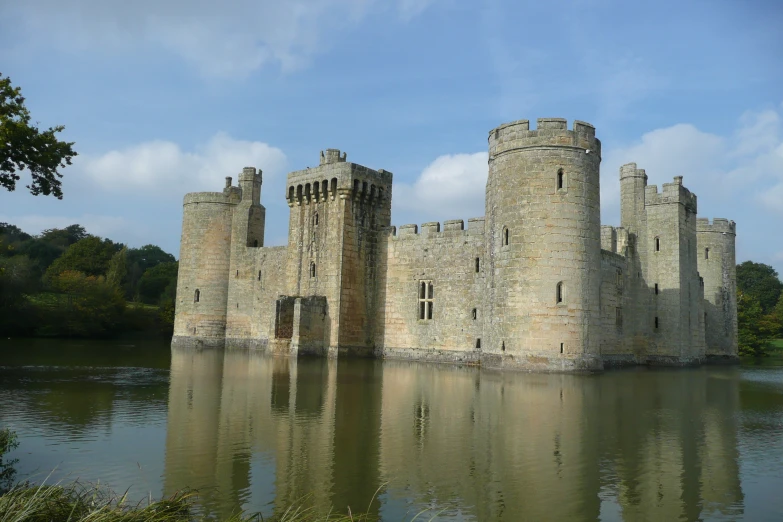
{"x":196,"y":296}
{"x":657,"y":244}
{"x":560,"y":293}
{"x":560,"y":179}
{"x":706,"y":253}
{"x":312,"y":269}
{"x":478,"y":344}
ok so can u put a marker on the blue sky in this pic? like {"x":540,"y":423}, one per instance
{"x":168,"y":97}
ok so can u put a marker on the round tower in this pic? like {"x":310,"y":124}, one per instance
{"x":202,"y":285}
{"x":717,"y":265}
{"x":543,"y":240}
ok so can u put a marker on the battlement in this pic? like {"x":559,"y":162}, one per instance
{"x":248,"y":174}
{"x":337,"y":178}
{"x":721,"y":225}
{"x":629,"y":170}
{"x":550,"y":132}
{"x":224,"y":198}
{"x":672,"y":193}
{"x":433,"y":229}
{"x":332,"y":156}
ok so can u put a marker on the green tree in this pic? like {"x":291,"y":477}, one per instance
{"x":8,"y":442}
{"x":155,"y":281}
{"x":24,"y":147}
{"x":139,"y":261}
{"x":91,"y":256}
{"x":117,"y":271}
{"x":64,"y":237}
{"x":94,"y":306}
{"x":760,"y":281}
{"x":749,"y":315}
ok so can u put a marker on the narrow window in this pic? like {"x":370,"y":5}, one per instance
{"x":237,"y":306}
{"x":194,"y":331}
{"x":312,"y":269}
{"x":315,"y":219}
{"x":197,"y":296}
{"x":505,"y":236}
{"x":706,"y":253}
{"x":237,"y":273}
{"x":656,"y":323}
{"x":619,"y":279}
{"x":426,"y":297}
{"x":618,"y":316}
{"x":657,"y":244}
{"x":255,"y":243}
{"x":478,"y":264}
{"x":560,"y":176}
{"x":656,"y":288}
{"x":475,"y":314}
{"x":560,"y":293}
{"x":705,"y":320}
{"x":503,"y":346}
{"x":478,"y":344}
{"x":259,"y":275}
{"x":562,"y":346}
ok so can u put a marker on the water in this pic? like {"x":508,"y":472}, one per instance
{"x":259,"y":433}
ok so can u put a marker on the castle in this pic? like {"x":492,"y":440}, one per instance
{"x":536,"y":284}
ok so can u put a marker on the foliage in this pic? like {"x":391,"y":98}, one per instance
{"x":24,"y":147}
{"x":80,"y":502}
{"x":117,"y":271}
{"x":65,"y":282}
{"x":90,"y":256}
{"x":139,"y":261}
{"x":755,"y":330}
{"x":156,"y":280}
{"x":93,"y":306}
{"x":761,"y":282}
{"x":8,"y":442}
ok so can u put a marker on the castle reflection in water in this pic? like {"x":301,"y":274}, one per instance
{"x":259,"y":433}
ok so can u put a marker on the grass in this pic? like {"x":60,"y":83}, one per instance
{"x":776,"y":345}
{"x":88,"y":503}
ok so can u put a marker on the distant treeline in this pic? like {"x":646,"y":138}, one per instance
{"x":68,"y":283}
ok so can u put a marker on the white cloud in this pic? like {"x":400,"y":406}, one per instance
{"x":223,"y":39}
{"x":162,"y":167}
{"x":450,"y":187}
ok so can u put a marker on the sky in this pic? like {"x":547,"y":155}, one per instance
{"x":166,"y":98}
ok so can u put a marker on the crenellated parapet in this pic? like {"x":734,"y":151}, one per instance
{"x":672,"y":193}
{"x":720,"y":225}
{"x":550,"y":132}
{"x":336,"y":178}
{"x":432,"y":230}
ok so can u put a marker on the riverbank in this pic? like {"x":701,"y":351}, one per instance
{"x":79,"y":502}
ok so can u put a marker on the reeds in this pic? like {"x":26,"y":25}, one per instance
{"x":92,"y":503}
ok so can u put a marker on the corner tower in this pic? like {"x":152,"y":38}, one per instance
{"x":718,"y":267}
{"x":543,"y":241}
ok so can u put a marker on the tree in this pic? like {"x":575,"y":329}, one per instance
{"x":90,"y":256}
{"x":155,"y":281}
{"x":139,"y":261}
{"x":760,"y":281}
{"x":64,"y":237}
{"x":24,"y":147}
{"x":750,"y":339}
{"x":117,"y":270}
{"x":94,"y":305}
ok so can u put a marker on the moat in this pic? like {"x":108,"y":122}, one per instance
{"x":255,"y":432}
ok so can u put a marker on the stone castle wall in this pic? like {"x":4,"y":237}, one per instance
{"x":536,"y":284}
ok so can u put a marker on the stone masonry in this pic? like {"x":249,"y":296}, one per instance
{"x":536,"y":284}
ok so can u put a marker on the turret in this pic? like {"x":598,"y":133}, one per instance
{"x":717,"y":266}
{"x":543,"y":241}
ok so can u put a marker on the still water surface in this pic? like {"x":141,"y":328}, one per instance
{"x":258,"y":433}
